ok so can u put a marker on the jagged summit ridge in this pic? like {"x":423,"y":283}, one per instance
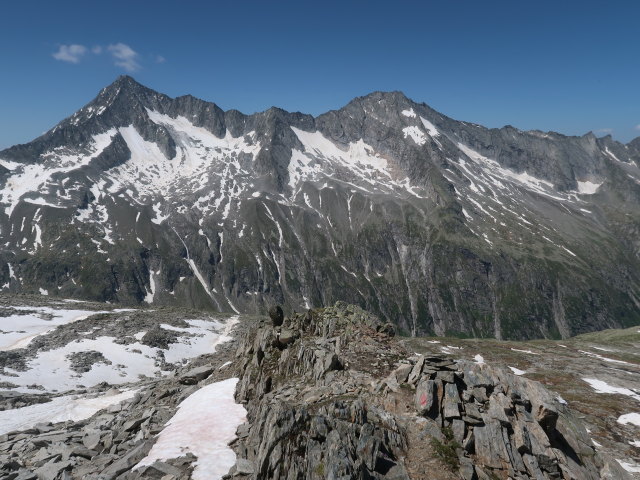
{"x":439,"y":225}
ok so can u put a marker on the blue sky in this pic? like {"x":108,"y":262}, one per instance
{"x":566,"y":66}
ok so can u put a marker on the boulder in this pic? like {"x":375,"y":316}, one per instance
{"x":91,"y":440}
{"x":414,"y":376}
{"x":51,"y":470}
{"x":387,"y":329}
{"x":196,"y":374}
{"x":159,"y":338}
{"x":451,"y":406}
{"x":425,"y":399}
{"x":402,"y":372}
{"x":127,"y":461}
{"x":286,"y":337}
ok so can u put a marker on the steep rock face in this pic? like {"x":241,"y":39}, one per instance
{"x":438,"y":225}
{"x":331,"y":394}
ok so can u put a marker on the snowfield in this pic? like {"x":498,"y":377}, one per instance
{"x":17,"y":331}
{"x":120,"y":363}
{"x":204,"y":424}
{"x":60,"y":409}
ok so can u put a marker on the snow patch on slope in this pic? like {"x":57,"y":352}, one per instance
{"x":605,"y":359}
{"x":629,"y":418}
{"x":531,"y":182}
{"x":213,"y":168}
{"x":603,"y":387}
{"x":33,"y":178}
{"x":431,"y":128}
{"x":355,"y":161}
{"x":18,"y":330}
{"x":205,"y":424}
{"x":588,"y":188}
{"x":629,"y":467}
{"x":51,"y":369}
{"x":59,"y":409}
{"x":415,"y":133}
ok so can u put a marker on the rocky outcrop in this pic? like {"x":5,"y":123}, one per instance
{"x":330,"y":393}
{"x":343,"y":399}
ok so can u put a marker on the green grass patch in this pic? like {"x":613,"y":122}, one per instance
{"x":446,"y":451}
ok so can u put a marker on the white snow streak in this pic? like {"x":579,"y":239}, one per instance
{"x":603,"y":387}
{"x":600,"y":357}
{"x":525,"y":351}
{"x":431,"y":128}
{"x":629,"y":467}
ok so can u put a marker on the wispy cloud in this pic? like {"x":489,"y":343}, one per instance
{"x":125,"y":56}
{"x":70,"y":53}
{"x":605,"y":130}
{"x":637,"y":127}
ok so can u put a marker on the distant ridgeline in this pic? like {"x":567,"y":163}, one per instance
{"x":437,"y":225}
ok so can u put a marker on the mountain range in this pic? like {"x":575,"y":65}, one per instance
{"x":440,"y":226}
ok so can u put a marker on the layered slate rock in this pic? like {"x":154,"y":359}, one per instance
{"x":346,"y":401}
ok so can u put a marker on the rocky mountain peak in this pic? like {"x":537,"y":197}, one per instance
{"x":130,"y":89}
{"x":369,"y":204}
{"x":395,"y":97}
{"x":383,"y":105}
{"x":126,"y":82}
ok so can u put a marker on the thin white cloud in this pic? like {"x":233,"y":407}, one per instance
{"x":605,"y":130}
{"x":160,"y":59}
{"x":70,"y":53}
{"x":124,"y":56}
{"x":637,"y":127}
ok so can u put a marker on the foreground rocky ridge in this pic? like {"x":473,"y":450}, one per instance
{"x":330,"y":393}
{"x":440,"y":226}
